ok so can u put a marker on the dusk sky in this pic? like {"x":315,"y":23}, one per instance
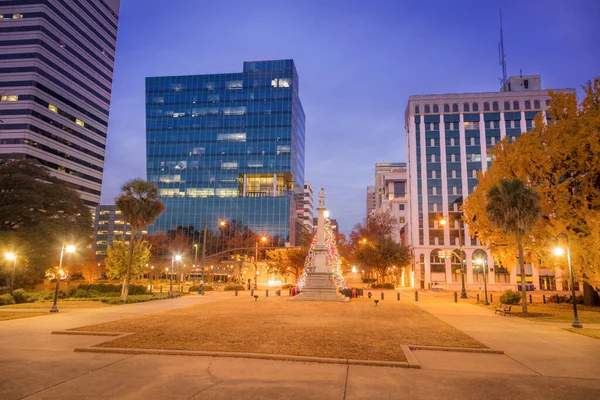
{"x":358,"y":63}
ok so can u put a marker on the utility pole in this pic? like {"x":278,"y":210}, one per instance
{"x":201,"y":291}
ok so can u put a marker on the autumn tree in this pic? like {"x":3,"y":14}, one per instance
{"x":559,"y":159}
{"x":118,"y":256}
{"x":287,"y":260}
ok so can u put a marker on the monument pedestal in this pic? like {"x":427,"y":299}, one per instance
{"x":319,"y":287}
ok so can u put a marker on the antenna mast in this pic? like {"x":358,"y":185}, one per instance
{"x":501,"y":53}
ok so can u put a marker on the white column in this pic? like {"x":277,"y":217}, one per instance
{"x":482,"y":143}
{"x":469,"y":266}
{"x":502,"y":126}
{"x":424,"y":161}
{"x":413,"y":197}
{"x":535,"y":275}
{"x":244,"y":189}
{"x":523,"y":124}
{"x":444,"y":177}
{"x":463,"y":166}
{"x":274,"y":185}
{"x":490,"y":265}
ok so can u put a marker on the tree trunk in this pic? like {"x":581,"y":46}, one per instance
{"x":125,"y":289}
{"x":590,"y":295}
{"x":523,"y":279}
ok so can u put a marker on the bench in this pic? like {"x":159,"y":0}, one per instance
{"x":503,"y":309}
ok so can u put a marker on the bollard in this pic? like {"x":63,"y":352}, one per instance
{"x":530,"y":300}
{"x":369,"y":295}
{"x":544,"y":298}
{"x":455,"y":297}
{"x":251,"y":292}
{"x":416,"y":295}
{"x":398,"y":296}
{"x":161,"y":288}
{"x":236,"y":292}
{"x":478,"y":297}
{"x":491,"y":298}
{"x":290,"y":292}
{"x":381,"y":295}
{"x":267,"y":293}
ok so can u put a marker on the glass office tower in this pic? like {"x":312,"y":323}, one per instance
{"x":227,"y":147}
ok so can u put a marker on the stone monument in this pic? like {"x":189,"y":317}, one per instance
{"x":319,"y":284}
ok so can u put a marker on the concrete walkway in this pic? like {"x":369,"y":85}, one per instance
{"x":541,"y":362}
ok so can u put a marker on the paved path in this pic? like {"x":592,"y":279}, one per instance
{"x":37,"y":365}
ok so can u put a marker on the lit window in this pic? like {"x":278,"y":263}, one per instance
{"x":231,"y":137}
{"x":52,"y":108}
{"x":79,"y":122}
{"x":10,"y":97}
{"x":17,"y":16}
{"x":402,"y":220}
{"x":229,"y":165}
{"x":223,"y":192}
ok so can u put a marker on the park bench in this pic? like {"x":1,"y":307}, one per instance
{"x":503,"y":309}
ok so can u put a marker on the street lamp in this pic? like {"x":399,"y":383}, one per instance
{"x":173,"y":259}
{"x":481,"y":262}
{"x":559,"y":251}
{"x":264,"y":240}
{"x":12,"y":257}
{"x":463,"y":291}
{"x":68,"y":249}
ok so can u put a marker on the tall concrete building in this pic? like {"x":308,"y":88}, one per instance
{"x":308,"y":207}
{"x":56,"y":71}
{"x":391,"y":194}
{"x":448,"y":141}
{"x":228,"y":146}
{"x":370,"y":200}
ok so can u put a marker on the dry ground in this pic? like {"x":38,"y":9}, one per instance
{"x":5,"y":316}
{"x":355,"y":330}
{"x":591,"y":332}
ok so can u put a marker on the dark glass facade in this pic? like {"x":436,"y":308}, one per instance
{"x":227,"y":146}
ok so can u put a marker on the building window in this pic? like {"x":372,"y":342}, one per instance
{"x":433,"y":158}
{"x":547,"y":103}
{"x":453,"y":174}
{"x":17,"y":16}
{"x":526,"y":83}
{"x":436,"y":108}
{"x":401,"y":207}
{"x":432,"y":142}
{"x":507,"y":105}
{"x":446,"y":108}
{"x":452,"y":157}
{"x":472,"y":141}
{"x":474,"y":173}
{"x":475,"y":107}
{"x":536,"y":104}
{"x":527,"y":105}
{"x":433,"y":174}
{"x":452,"y":142}
{"x":486,"y":106}
{"x":79,"y":122}
{"x":417,"y":110}
{"x":515,"y":105}
{"x":454,"y":107}
{"x":52,"y":108}
{"x":402,"y":220}
{"x":495,"y":106}
{"x":466,"y":107}
{"x":427,"y":109}
{"x":10,"y":97}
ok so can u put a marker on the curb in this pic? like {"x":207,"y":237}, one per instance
{"x":279,"y":357}
{"x":456,"y":349}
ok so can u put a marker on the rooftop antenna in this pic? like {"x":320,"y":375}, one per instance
{"x":501,"y":53}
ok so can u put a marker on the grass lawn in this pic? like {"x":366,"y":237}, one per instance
{"x":5,"y":316}
{"x":61,"y":304}
{"x":274,"y":325}
{"x":591,"y":332}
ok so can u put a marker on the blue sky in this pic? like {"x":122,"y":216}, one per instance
{"x":358,"y":62}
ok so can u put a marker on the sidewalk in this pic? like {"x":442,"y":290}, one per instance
{"x":38,"y":365}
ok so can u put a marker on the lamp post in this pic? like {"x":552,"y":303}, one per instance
{"x":559,"y":251}
{"x":68,"y":249}
{"x":463,"y":291}
{"x":173,"y":259}
{"x":482,"y":262}
{"x":12,"y":257}
{"x":262,"y":239}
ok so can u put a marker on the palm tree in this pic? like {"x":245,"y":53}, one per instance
{"x":514,"y":208}
{"x":139,"y":206}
